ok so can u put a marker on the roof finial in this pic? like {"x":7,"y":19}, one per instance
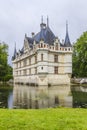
{"x":25,"y":35}
{"x":67,"y":40}
{"x":42,"y":19}
{"x":14,"y":56}
{"x":47,"y":21}
{"x":66,"y":26}
{"x":15,"y":48}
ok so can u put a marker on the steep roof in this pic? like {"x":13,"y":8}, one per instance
{"x":15,"y":52}
{"x":67,"y":42}
{"x":46,"y":34}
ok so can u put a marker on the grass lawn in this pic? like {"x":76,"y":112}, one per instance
{"x":43,"y":119}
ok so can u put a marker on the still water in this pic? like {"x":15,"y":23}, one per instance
{"x":23,"y":96}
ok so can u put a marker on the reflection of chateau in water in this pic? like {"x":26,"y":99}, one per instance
{"x":41,"y":97}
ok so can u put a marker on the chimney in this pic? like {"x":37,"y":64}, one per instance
{"x":33,"y":34}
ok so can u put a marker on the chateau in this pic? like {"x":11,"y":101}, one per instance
{"x":43,"y":60}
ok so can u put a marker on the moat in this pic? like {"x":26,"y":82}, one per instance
{"x":29,"y":97}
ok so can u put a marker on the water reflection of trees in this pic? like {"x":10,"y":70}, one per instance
{"x":41,"y":97}
{"x":79,"y":94}
{"x":4,"y":93}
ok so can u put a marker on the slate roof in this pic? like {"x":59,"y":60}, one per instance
{"x":14,"y":56}
{"x":45,"y":34}
{"x":48,"y":36}
{"x":67,"y":42}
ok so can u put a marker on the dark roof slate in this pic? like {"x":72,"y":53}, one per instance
{"x":67,"y":42}
{"x":45,"y":34}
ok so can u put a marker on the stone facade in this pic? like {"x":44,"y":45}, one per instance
{"x":42,"y":61}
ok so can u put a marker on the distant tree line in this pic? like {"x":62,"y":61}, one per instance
{"x":80,"y":56}
{"x":5,"y":68}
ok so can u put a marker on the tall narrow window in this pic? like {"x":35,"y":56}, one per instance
{"x":56,"y":47}
{"x":56,"y":70}
{"x":41,"y":45}
{"x":25,"y":62}
{"x":41,"y":57}
{"x":55,"y":58}
{"x":35,"y":59}
{"x":20,"y":72}
{"x":30,"y":71}
{"x":29,"y":61}
{"x":24,"y":72}
{"x":35,"y":70}
{"x":20,"y":64}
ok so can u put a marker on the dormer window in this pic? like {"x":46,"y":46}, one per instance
{"x":41,"y":45}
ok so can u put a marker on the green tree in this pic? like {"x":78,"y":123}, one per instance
{"x":80,"y":56}
{"x":5,"y":69}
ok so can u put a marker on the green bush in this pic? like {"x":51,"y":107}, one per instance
{"x":8,"y":77}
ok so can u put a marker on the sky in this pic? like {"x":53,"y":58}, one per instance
{"x":18,"y":17}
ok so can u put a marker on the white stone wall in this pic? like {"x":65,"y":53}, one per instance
{"x":68,"y":63}
{"x":33,"y":60}
{"x":51,"y":69}
{"x":51,"y":57}
{"x":42,"y":65}
{"x":45,"y":69}
{"x":44,"y":79}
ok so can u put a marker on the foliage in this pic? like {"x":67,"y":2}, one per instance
{"x":5,"y":69}
{"x":44,"y":119}
{"x":80,"y":56}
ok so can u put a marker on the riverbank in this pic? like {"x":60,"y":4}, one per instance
{"x":79,"y":80}
{"x":44,"y":119}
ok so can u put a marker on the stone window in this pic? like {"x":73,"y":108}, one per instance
{"x":35,"y":59}
{"x":55,"y":58}
{"x":20,"y":72}
{"x":56,"y":70}
{"x":41,"y":57}
{"x":16,"y":73}
{"x":25,"y":72}
{"x":35,"y":70}
{"x":41,"y":45}
{"x":29,"y":61}
{"x":56,"y":47}
{"x":69,"y":49}
{"x":44,"y":46}
{"x":17,"y":65}
{"x":30,"y":71}
{"x":42,"y":68}
{"x":20,"y":64}
{"x":25,"y":62}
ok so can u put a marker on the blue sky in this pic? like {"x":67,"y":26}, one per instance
{"x":18,"y":17}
